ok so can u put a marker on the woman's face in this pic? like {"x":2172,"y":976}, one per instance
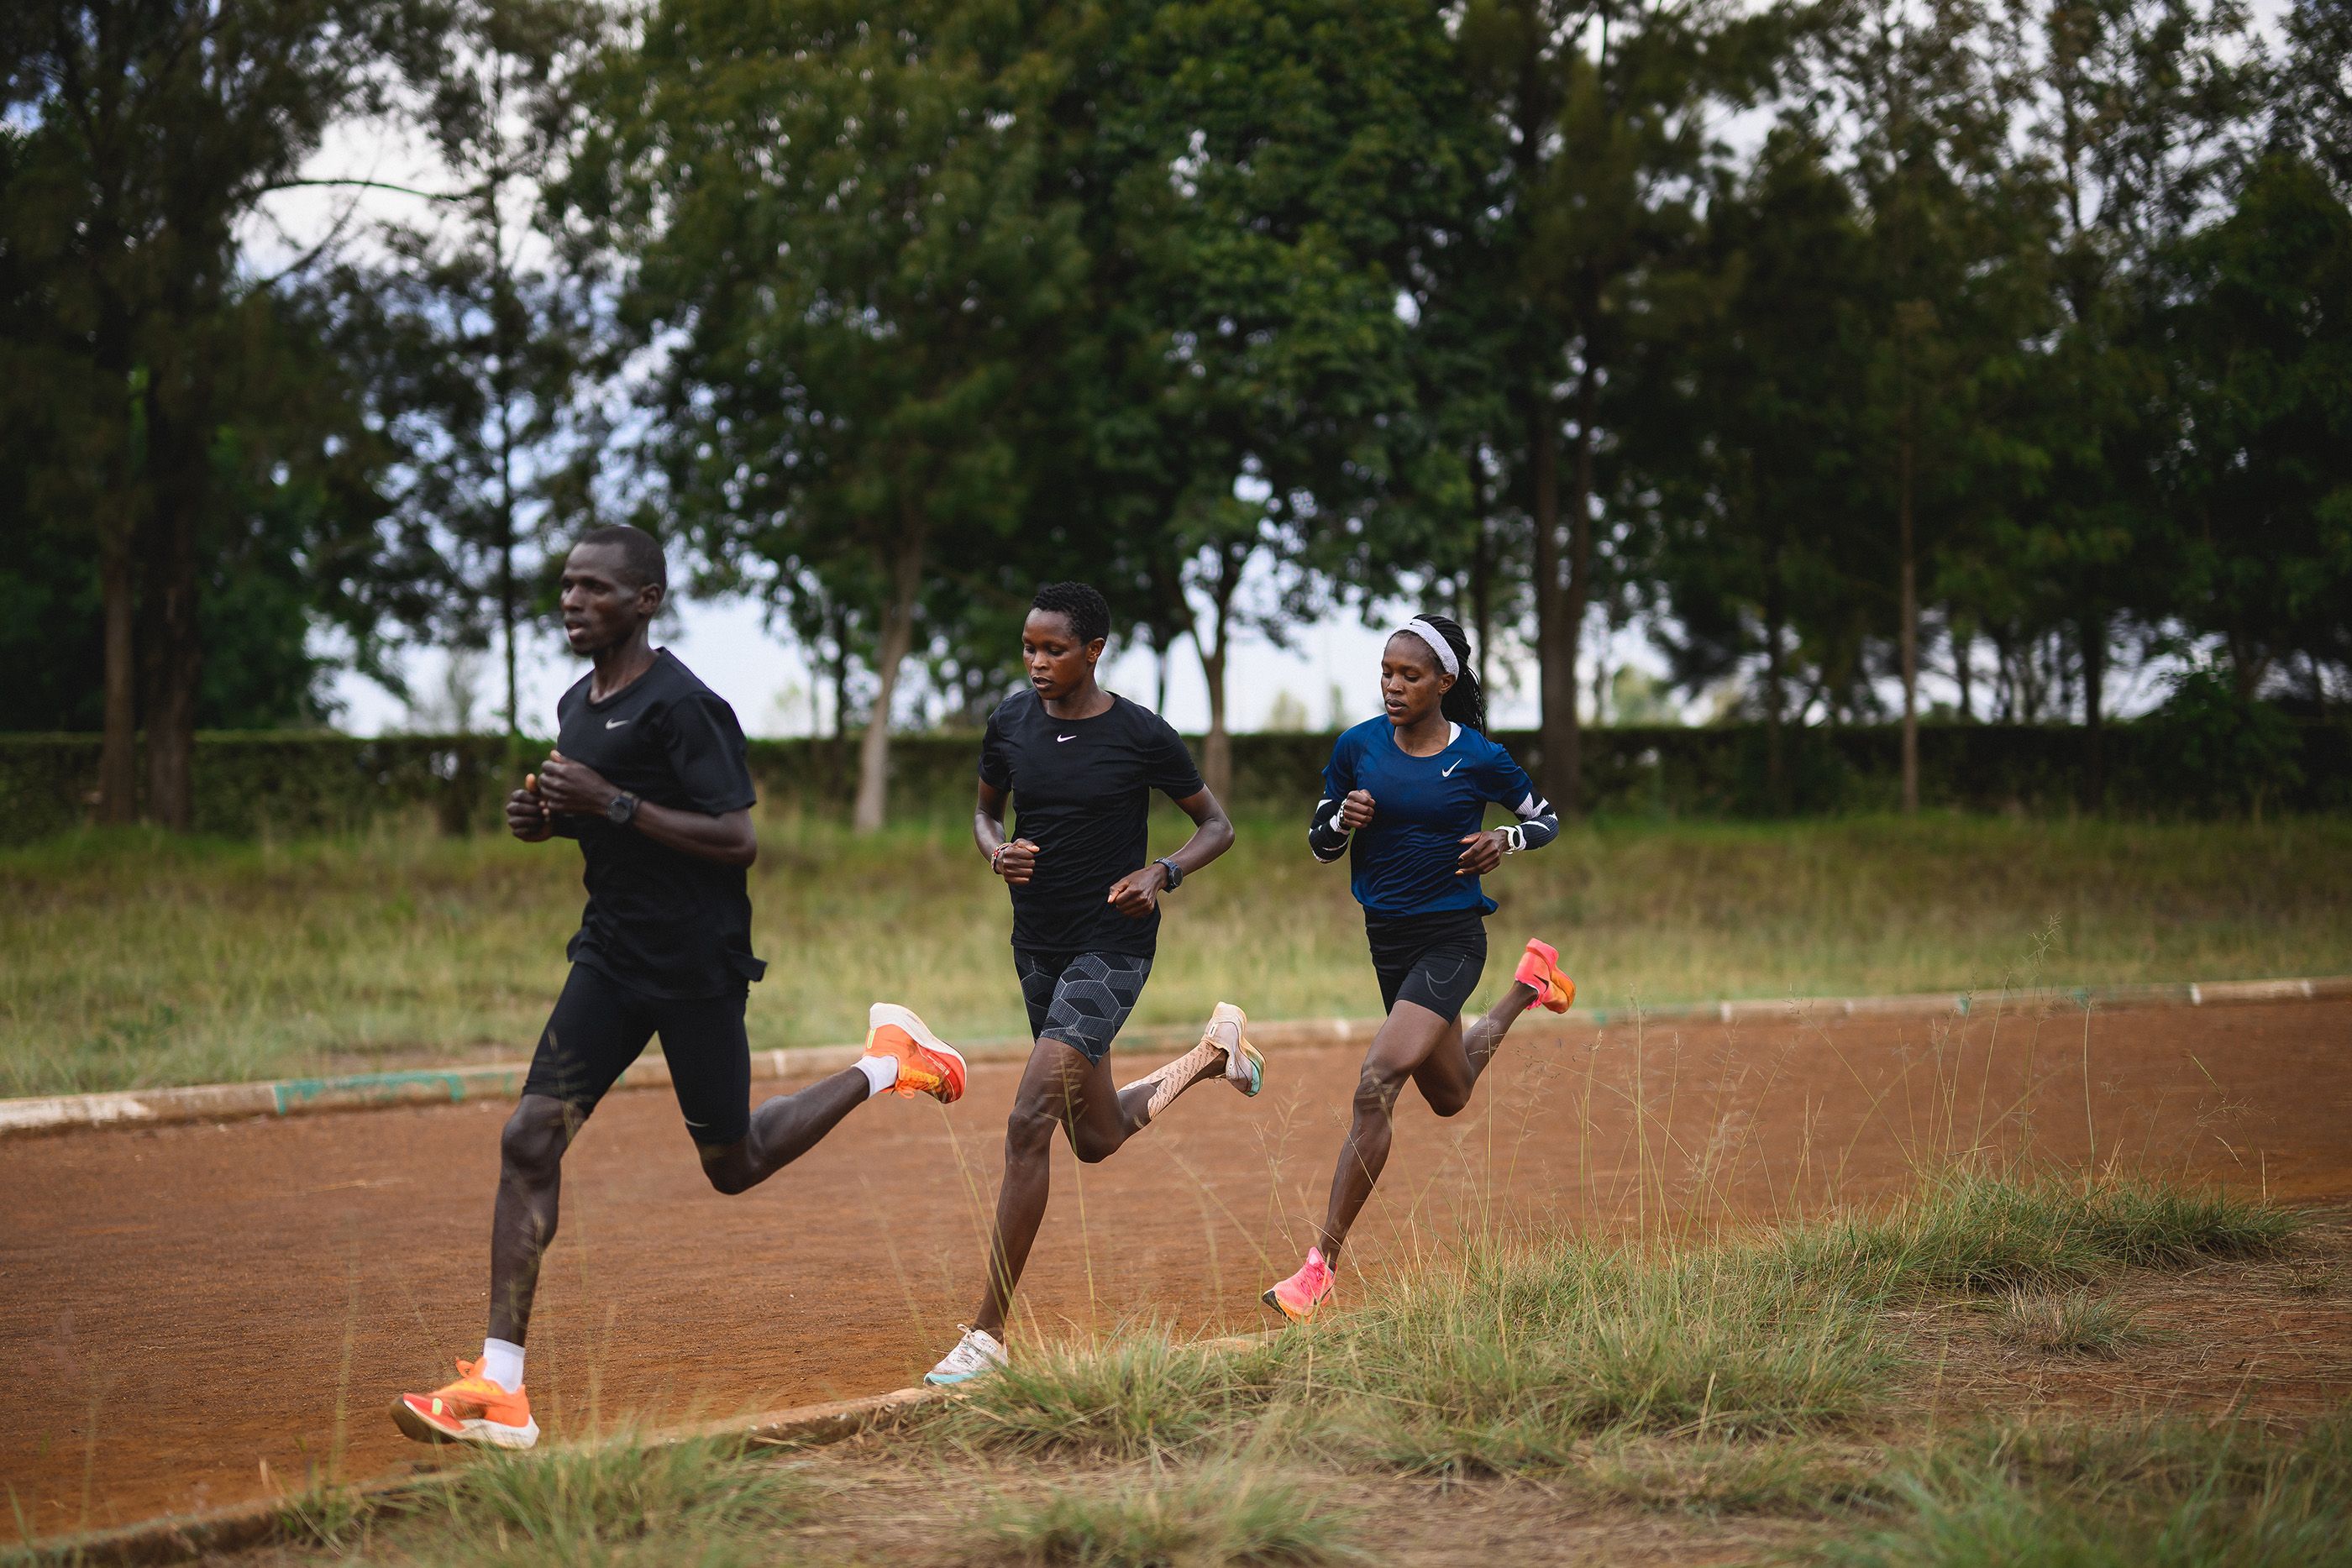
{"x":1056,"y":661}
{"x":1412,"y":684}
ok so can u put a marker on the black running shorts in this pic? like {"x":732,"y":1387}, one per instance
{"x":1080,"y":998}
{"x":599,"y":1026}
{"x":1431,"y":960}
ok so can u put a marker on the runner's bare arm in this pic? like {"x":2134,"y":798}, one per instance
{"x":1018,"y":860}
{"x":576,"y":788}
{"x":1212,"y":834}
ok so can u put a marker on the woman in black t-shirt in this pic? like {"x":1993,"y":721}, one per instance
{"x":1080,"y":764}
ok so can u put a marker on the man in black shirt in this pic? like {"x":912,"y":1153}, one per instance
{"x":1081,"y":764}
{"x":649,"y":775}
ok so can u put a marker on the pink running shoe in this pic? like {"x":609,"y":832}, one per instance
{"x":1297,"y":1297}
{"x":1539,"y":968}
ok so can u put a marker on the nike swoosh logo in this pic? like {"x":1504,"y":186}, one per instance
{"x":1449,"y":772}
{"x":614,"y":723}
{"x":1065,"y":737}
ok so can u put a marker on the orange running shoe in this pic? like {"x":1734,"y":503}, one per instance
{"x":471,"y":1410}
{"x":927,"y":1064}
{"x":1539,"y":967}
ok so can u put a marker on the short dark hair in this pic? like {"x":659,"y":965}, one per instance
{"x":1088,"y":611}
{"x":641,"y":553}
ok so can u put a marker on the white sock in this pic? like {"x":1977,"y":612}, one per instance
{"x":881,"y":1072}
{"x":502,"y":1364}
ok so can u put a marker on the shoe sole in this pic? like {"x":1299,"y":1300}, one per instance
{"x":1271,"y":1300}
{"x":1250,"y":1054}
{"x":881,"y":1013}
{"x":414,"y":1425}
{"x":956,"y":1379}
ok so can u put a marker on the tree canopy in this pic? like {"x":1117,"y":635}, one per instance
{"x":1836,"y":347}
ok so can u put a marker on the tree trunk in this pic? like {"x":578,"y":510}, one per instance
{"x":1964,"y":667}
{"x":507,"y":571}
{"x":176,"y":439}
{"x":1909,"y":612}
{"x":118,"y":756}
{"x":117,"y":533}
{"x":1555,"y":648}
{"x":1580,"y":580}
{"x":2094,"y":634}
{"x":1600,"y":682}
{"x":906,"y":569}
{"x":1775,"y":681}
{"x":1482,"y":568}
{"x":1216,"y":747}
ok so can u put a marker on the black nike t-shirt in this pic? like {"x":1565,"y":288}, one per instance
{"x":1081,"y":792}
{"x":661,"y":923}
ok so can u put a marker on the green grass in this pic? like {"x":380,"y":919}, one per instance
{"x":696,"y":1504}
{"x":134,"y":959}
{"x":1515,"y":1360}
{"x":1208,"y":1519}
{"x":1969,"y":1230}
{"x":2168,"y":1495}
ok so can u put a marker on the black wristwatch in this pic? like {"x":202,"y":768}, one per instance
{"x":623,"y":809}
{"x":1175,"y":873}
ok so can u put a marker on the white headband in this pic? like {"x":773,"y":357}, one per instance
{"x":1417,"y":627}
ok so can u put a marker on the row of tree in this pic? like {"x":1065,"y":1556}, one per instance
{"x":1828,"y":342}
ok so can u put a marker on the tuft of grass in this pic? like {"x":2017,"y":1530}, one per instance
{"x":1136,"y":1393}
{"x":2073,"y":1323}
{"x":1803,"y":1478}
{"x":1210,"y":1518}
{"x":1973,"y":1231}
{"x":2171,"y":1495}
{"x":616,"y":1503}
{"x":2312,"y":1277}
{"x":1508,"y":1359}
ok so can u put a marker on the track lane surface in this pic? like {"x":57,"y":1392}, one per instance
{"x":197,"y":1315}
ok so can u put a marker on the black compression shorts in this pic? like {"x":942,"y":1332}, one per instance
{"x":1080,"y":998}
{"x":1432,"y":960}
{"x":599,"y":1026}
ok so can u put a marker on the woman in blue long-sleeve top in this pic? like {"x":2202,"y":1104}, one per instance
{"x":1404,"y":797}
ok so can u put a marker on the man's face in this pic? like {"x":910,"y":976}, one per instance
{"x":602,"y":608}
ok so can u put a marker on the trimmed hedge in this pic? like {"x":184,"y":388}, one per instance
{"x":305,"y":782}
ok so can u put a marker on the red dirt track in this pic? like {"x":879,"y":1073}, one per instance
{"x":192,"y":1315}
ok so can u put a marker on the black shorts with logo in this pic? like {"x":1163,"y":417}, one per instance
{"x":600,"y":1026}
{"x":1432,"y":960}
{"x":1080,"y":998}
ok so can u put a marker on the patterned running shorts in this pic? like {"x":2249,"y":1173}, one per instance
{"x":1080,"y":998}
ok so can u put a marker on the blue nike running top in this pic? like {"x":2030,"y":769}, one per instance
{"x":1402,"y":861}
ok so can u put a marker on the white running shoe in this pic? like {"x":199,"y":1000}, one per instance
{"x":1245,"y":1064}
{"x":977,"y":1353}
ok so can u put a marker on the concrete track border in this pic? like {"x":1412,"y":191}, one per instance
{"x":380,"y":1091}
